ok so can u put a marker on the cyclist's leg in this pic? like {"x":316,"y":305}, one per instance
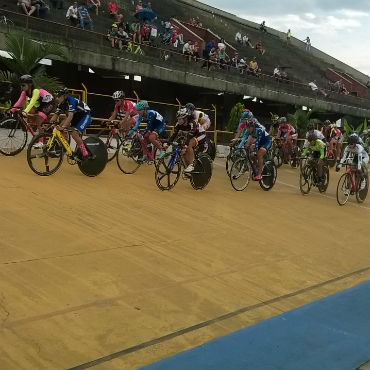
{"x":260,"y":154}
{"x":80,"y":127}
{"x":320,"y":164}
{"x":339,"y":148}
{"x":189,"y":152}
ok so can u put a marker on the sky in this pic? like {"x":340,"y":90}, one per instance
{"x":340,"y":28}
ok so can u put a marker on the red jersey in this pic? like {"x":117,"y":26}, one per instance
{"x":287,"y":129}
{"x":127,"y":107}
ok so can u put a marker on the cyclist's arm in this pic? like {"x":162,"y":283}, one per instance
{"x":33,"y":101}
{"x":175,"y":133}
{"x":359,"y":162}
{"x":113,"y":116}
{"x":19,"y":102}
{"x":67,"y":121}
{"x":344,"y":157}
{"x":322,"y":147}
{"x":136,"y":126}
{"x":192,"y":133}
{"x":305,"y":151}
{"x":244,"y":139}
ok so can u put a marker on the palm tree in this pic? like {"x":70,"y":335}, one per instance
{"x":25,"y":55}
{"x":301,"y":118}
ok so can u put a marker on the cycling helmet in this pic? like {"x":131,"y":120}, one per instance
{"x":353,"y":139}
{"x":61,"y":91}
{"x":141,"y":105}
{"x":247,"y":115}
{"x":282,"y":120}
{"x":183,"y":113}
{"x":311,"y":137}
{"x":246,"y":110}
{"x":190,"y":107}
{"x":118,"y":95}
{"x":26,"y":79}
{"x":327,"y":123}
{"x":274,"y":117}
{"x":310,"y":126}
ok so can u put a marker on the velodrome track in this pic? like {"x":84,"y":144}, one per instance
{"x":114,"y":270}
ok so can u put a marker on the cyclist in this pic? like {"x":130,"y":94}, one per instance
{"x":154,"y":128}
{"x":334,"y":139}
{"x":318,"y":147}
{"x":78,"y":115}
{"x":274,"y":127}
{"x":124,"y":110}
{"x":246,"y":116}
{"x":258,"y":141}
{"x":286,"y":132}
{"x":358,"y":153}
{"x":196,"y":135}
{"x":41,"y":102}
{"x":199,"y":116}
{"x":311,"y":130}
{"x":359,"y":140}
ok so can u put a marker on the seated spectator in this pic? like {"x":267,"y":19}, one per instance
{"x":235,"y":60}
{"x":42,"y":9}
{"x":153,"y":35}
{"x":85,"y":19}
{"x":113,"y":8}
{"x":259,"y":47}
{"x":136,"y":34}
{"x":253,"y":68}
{"x":242,"y":65}
{"x":343,"y":89}
{"x":206,"y":52}
{"x":139,"y":6}
{"x":336,"y":86}
{"x":316,"y":90}
{"x":112,"y":35}
{"x":213,"y":59}
{"x":186,"y":50}
{"x":94,"y":5}
{"x":26,"y":7}
{"x":247,"y":41}
{"x":263,"y":27}
{"x":277,"y":74}
{"x":223,"y":59}
{"x":221,"y":44}
{"x":238,"y":37}
{"x":195,"y":51}
{"x":145,"y":33}
{"x":122,"y":37}
{"x":118,"y":20}
{"x":58,"y":4}
{"x":72,"y":15}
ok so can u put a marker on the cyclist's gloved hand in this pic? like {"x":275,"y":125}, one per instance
{"x":24,"y":114}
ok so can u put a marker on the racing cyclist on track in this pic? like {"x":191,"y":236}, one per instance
{"x":311,"y":130}
{"x":334,"y":139}
{"x":199,"y":116}
{"x":196,"y":135}
{"x":287,"y":134}
{"x":246,"y":116}
{"x":78,"y":115}
{"x":155,"y":126}
{"x":318,"y":147}
{"x":258,"y":141}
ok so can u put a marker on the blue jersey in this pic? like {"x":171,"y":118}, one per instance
{"x":263,"y":139}
{"x":83,"y":12}
{"x":77,"y":107}
{"x":155,"y":122}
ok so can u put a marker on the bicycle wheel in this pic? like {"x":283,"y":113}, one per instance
{"x":211,"y":149}
{"x":269,"y":174}
{"x":323,"y":186}
{"x":278,"y":156}
{"x":362,"y":188}
{"x":42,"y":160}
{"x":202,"y":173}
{"x":112,"y":142}
{"x":167,"y":172}
{"x":240,"y":174}
{"x":305,"y":180}
{"x":13,"y":136}
{"x":128,"y":155}
{"x":344,"y":189}
{"x":331,"y":159}
{"x":294,"y":158}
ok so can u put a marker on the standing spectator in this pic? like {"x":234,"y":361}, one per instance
{"x":85,"y":19}
{"x":139,"y":6}
{"x":26,"y":7}
{"x":221,"y":44}
{"x":186,"y":50}
{"x":235,"y":60}
{"x":308,"y":43}
{"x":253,"y":68}
{"x":136,"y":34}
{"x":42,"y":9}
{"x":94,"y":4}
{"x":113,"y":8}
{"x":195,"y":51}
{"x":206,"y":52}
{"x":238,"y":37}
{"x":315,"y":88}
{"x":259,"y":47}
{"x":288,"y":36}
{"x":149,"y":5}
{"x":242,"y":65}
{"x":145,"y":32}
{"x":263,"y":27}
{"x":122,"y":37}
{"x":223,"y":58}
{"x":153,"y":35}
{"x":72,"y":14}
{"x":247,"y":41}
{"x":212,"y":60}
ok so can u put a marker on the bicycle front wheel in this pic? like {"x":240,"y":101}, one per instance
{"x":44,"y":161}
{"x":128,"y":155}
{"x":112,"y":142}
{"x":305,"y":180}
{"x":269,"y":174}
{"x":344,"y":188}
{"x":240,"y":174}
{"x":362,"y":189}
{"x":167,"y":172}
{"x":324,"y":185}
{"x":13,"y":136}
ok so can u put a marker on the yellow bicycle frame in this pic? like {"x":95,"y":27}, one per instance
{"x":57,"y":134}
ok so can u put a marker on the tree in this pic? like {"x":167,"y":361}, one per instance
{"x":301,"y":118}
{"x":235,"y":115}
{"x":25,"y":55}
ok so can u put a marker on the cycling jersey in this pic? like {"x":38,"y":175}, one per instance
{"x":318,"y":134}
{"x":202,"y":118}
{"x":81,"y":112}
{"x":242,"y":125}
{"x":318,"y":147}
{"x":40,"y":99}
{"x":357,"y":150}
{"x":285,"y":130}
{"x":127,"y":107}
{"x":194,"y":130}
{"x":263,"y":139}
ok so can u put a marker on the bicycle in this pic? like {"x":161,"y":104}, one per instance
{"x":352,"y":183}
{"x":309,"y":176}
{"x":113,"y":139}
{"x":14,"y":133}
{"x":232,"y":156}
{"x":243,"y":168}
{"x":46,"y":160}
{"x":279,"y":156}
{"x":171,"y":166}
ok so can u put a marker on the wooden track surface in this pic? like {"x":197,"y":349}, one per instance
{"x":102,"y":267}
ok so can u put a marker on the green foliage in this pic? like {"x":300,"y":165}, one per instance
{"x":235,"y":115}
{"x":348,"y":129}
{"x":301,"y":118}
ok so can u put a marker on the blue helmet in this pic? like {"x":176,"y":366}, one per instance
{"x":247,"y":115}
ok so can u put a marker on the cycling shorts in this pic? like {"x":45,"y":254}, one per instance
{"x":266,"y":143}
{"x":83,"y":123}
{"x":157,"y":130}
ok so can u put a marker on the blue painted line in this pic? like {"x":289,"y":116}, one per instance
{"x":330,"y":333}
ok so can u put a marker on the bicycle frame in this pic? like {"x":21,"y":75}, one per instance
{"x":175,"y":155}
{"x":59,"y":135}
{"x":352,"y":172}
{"x":149,"y":154}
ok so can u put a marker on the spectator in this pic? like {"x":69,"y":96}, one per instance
{"x":263,"y":27}
{"x":118,"y":20}
{"x":85,"y":19}
{"x":277,"y":74}
{"x":173,"y":38}
{"x":122,"y":37}
{"x":259,"y":47}
{"x":238,"y":37}
{"x":136,"y":34}
{"x":221,"y":44}
{"x":153,"y":35}
{"x":288,"y":36}
{"x":145,"y":33}
{"x":242,"y":65}
{"x":113,"y":8}
{"x":26,"y":7}
{"x":308,"y":43}
{"x":58,"y":4}
{"x":195,"y":51}
{"x":42,"y":9}
{"x":284,"y":74}
{"x":206,"y":52}
{"x":139,"y":6}
{"x":186,"y":50}
{"x":246,"y":41}
{"x":343,"y":89}
{"x":167,"y":26}
{"x":336,"y":86}
{"x":112,"y":35}
{"x":235,"y":60}
{"x":212,"y":60}
{"x":72,"y":14}
{"x":253,"y":68}
{"x":94,"y":4}
{"x":223,"y":58}
{"x":316,"y":90}
{"x":149,"y":5}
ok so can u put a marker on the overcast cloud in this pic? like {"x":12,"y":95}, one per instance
{"x":340,"y":28}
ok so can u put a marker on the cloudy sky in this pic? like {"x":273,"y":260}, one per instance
{"x":340,"y":28}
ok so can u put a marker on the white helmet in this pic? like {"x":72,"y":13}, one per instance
{"x":118,"y":95}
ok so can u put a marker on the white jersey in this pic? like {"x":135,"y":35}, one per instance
{"x":202,"y":119}
{"x":350,"y":153}
{"x":318,"y":134}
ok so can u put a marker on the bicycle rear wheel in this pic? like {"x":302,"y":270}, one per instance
{"x":112,"y":142}
{"x":294,"y":157}
{"x":202,"y":173}
{"x":269,"y":174}
{"x":344,"y":189}
{"x":13,"y":136}
{"x":362,"y":188}
{"x":128,"y":155}
{"x":305,"y":180}
{"x":240,"y":174}
{"x":278,"y":156}
{"x":167,"y":172}
{"x":323,"y":186}
{"x":42,"y":160}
